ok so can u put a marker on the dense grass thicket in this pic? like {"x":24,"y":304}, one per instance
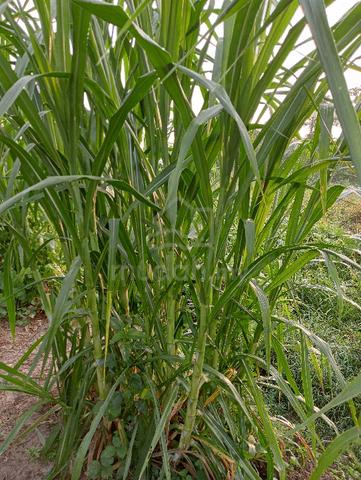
{"x":179,"y":256}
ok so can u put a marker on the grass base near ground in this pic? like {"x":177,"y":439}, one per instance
{"x":22,"y":460}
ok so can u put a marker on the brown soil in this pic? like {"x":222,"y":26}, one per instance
{"x":20,"y":462}
{"x":305,"y":472}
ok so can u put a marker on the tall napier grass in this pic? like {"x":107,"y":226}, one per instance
{"x":179,"y":232}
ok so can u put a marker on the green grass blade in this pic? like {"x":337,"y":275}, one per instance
{"x":84,"y":446}
{"x":10,"y":97}
{"x":316,"y":17}
{"x":266,"y":318}
{"x":158,"y":430}
{"x":340,"y":444}
{"x":219,"y":92}
{"x":351,"y":390}
{"x":58,"y":180}
{"x":267,"y":424}
{"x":9,"y":290}
{"x":173,"y":182}
{"x":326,"y":121}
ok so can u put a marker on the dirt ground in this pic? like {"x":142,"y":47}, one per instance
{"x":20,"y":461}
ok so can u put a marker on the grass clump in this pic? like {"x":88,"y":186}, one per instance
{"x":179,"y":233}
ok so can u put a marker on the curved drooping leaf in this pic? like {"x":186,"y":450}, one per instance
{"x":58,"y":180}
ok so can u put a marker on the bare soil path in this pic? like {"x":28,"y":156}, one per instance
{"x":20,"y":461}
